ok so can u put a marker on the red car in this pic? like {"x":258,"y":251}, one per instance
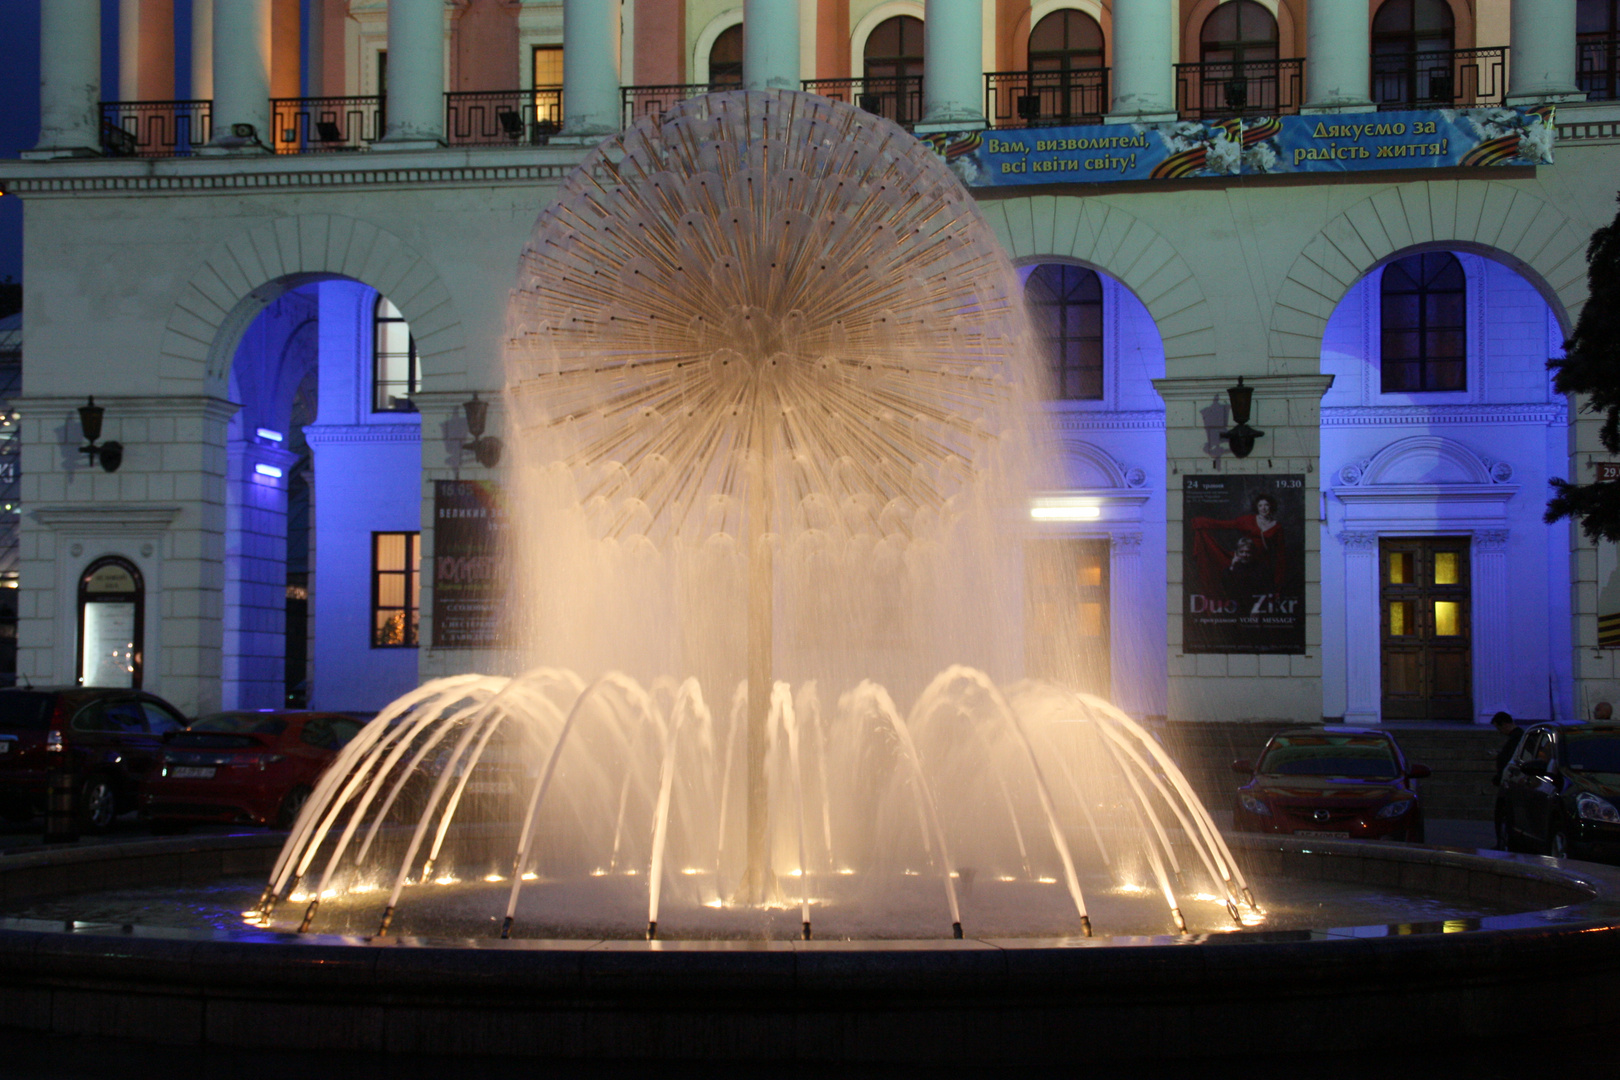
{"x":256,"y":767}
{"x":1336,"y":782}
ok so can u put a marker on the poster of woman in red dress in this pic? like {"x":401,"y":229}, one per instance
{"x":1243,"y":556}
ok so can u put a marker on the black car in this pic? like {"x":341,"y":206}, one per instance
{"x":109,"y":740}
{"x":1560,"y":793}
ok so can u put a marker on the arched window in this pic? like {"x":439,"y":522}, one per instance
{"x":893,"y":69}
{"x":1412,"y":43}
{"x":112,"y":619}
{"x":1425,"y":333}
{"x":726,"y":59}
{"x":1066,"y":307}
{"x":1066,"y":60}
{"x":394,"y":370}
{"x":1238,"y":32}
{"x":1066,"y":40}
{"x":1237,"y":52}
{"x":1597,"y":28}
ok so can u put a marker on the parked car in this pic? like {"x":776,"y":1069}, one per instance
{"x":1340,"y":782}
{"x":254,"y":767}
{"x":1560,"y":793}
{"x":109,"y":738}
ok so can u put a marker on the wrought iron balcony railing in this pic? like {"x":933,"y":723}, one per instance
{"x":154,"y":128}
{"x":320,"y":124}
{"x":1249,"y":88}
{"x":502,"y":117}
{"x":896,"y":97}
{"x":1597,"y":67}
{"x":1443,"y":78}
{"x":1014,"y":99}
{"x":642,"y":101}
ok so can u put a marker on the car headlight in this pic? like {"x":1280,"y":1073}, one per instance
{"x":1593,"y":808}
{"x":1396,"y":808}
{"x":1254,"y":805}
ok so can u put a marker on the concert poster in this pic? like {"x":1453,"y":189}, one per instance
{"x":1243,"y":564}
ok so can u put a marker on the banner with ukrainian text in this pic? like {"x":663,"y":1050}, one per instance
{"x":1271,"y":146}
{"x":469,"y":523}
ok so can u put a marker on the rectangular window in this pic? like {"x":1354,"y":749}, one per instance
{"x":396,"y":589}
{"x":548,"y":65}
{"x":548,"y":78}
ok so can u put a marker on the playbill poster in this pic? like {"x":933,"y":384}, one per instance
{"x":469,"y":519}
{"x":1243,"y":564}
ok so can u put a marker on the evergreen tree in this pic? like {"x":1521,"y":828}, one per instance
{"x":1591,"y":366}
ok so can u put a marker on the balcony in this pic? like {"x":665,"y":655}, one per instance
{"x":1597,"y":67}
{"x":1447,"y":78}
{"x":1224,"y":88}
{"x":325,"y":124}
{"x":154,"y":128}
{"x":895,"y":97}
{"x":653,"y":100}
{"x":1017,"y":99}
{"x":502,"y":117}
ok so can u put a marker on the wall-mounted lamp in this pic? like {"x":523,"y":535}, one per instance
{"x":110,"y":454}
{"x":1241,"y":436}
{"x":486,"y":448}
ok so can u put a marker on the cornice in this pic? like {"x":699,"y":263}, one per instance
{"x":1391,"y":415}
{"x":121,"y":406}
{"x":1199,"y":387}
{"x":1122,"y":420}
{"x":106,"y":517}
{"x":1428,"y":493}
{"x":324,"y":434}
{"x":261,"y":174}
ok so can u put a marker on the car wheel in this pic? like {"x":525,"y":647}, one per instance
{"x":1558,"y":842}
{"x":98,"y":805}
{"x":290,"y":806}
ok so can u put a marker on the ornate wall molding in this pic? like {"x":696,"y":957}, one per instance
{"x":244,"y":180}
{"x":1131,"y":420}
{"x":1428,"y":415}
{"x":321,"y":434}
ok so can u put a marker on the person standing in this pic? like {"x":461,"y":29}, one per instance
{"x":1510,"y":732}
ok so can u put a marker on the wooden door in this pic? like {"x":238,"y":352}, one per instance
{"x":1066,"y":613}
{"x":1427,"y":655}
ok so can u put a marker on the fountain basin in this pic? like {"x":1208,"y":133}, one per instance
{"x":1320,"y":990}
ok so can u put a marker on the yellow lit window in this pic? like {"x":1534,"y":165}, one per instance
{"x":1445,"y":618}
{"x":1399,"y":623}
{"x":1445,"y":568}
{"x":1400,"y":567}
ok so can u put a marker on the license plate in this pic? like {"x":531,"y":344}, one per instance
{"x":1316,"y":834}
{"x":192,"y":772}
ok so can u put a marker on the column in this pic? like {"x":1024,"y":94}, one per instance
{"x":242,"y":77}
{"x":70,"y":79}
{"x":202,"y":50}
{"x":771,"y":44}
{"x":1337,"y":57}
{"x":1542,"y":65}
{"x":1131,"y":645}
{"x":1362,"y":638}
{"x":953,"y":65}
{"x":415,"y":106}
{"x":145,"y":50}
{"x":1143,"y":75}
{"x":1492,"y":626}
{"x":591,"y":105}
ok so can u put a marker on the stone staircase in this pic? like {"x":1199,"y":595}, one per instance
{"x":1461,"y":756}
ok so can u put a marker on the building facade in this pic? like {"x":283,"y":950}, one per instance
{"x":283,"y":284}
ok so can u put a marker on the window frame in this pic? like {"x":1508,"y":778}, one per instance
{"x":411,"y":633}
{"x":1056,"y":349}
{"x":733,"y":70}
{"x":1423,"y":291}
{"x":1241,"y":50}
{"x":413,"y":366}
{"x":1065,"y":58}
{"x":135,"y":596}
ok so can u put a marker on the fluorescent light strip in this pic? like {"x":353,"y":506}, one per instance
{"x":267,"y":470}
{"x":272,"y":436}
{"x":1068,"y":512}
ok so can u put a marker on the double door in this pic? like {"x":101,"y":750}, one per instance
{"x":1066,"y":612}
{"x":1426,"y":648}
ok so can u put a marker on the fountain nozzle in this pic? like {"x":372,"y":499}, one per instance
{"x":388,"y":917}
{"x":309,"y":915}
{"x":1232,"y":909}
{"x":652,"y":930}
{"x":806,"y":930}
{"x":1248,"y":898}
{"x":506,"y":928}
{"x":1181,"y":923}
{"x":1085,"y":925}
{"x":956,"y":930}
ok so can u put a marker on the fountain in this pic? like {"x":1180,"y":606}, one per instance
{"x":775,"y":423}
{"x":774,"y":412}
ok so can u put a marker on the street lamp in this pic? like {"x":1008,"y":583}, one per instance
{"x":110,"y":454}
{"x":486,"y":448}
{"x":1240,"y":436}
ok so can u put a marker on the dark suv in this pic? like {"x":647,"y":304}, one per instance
{"x":109,"y":739}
